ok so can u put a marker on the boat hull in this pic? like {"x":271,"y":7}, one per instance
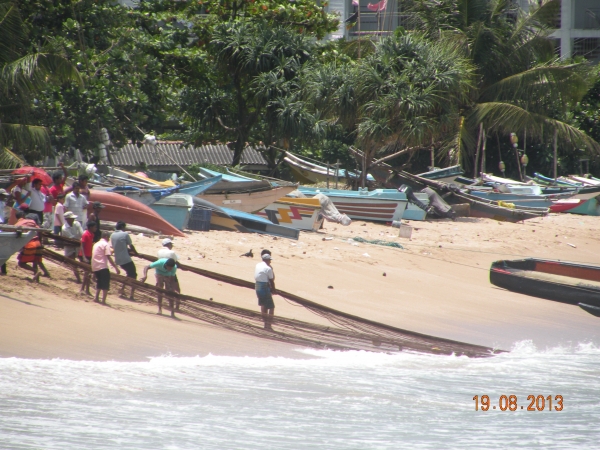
{"x":531,"y":201}
{"x":118,"y":207}
{"x":513,"y":275}
{"x":593,"y":310}
{"x":301,"y":214}
{"x":11,"y":243}
{"x":175,"y":209}
{"x":249,"y":202}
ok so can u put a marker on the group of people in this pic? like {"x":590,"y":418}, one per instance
{"x":66,"y":209}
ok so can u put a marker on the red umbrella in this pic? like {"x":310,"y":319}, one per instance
{"x":34,"y":172}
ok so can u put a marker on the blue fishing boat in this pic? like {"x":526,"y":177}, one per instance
{"x":561,"y":182}
{"x":150,"y":196}
{"x":175,"y":209}
{"x":447,"y":174}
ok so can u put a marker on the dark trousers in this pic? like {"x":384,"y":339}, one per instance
{"x":3,"y":269}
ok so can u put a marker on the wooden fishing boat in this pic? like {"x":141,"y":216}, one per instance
{"x":589,"y":207}
{"x":533,"y":201}
{"x":298,"y":213}
{"x":151,"y":196}
{"x":228,"y":219}
{"x":447,"y":174}
{"x":479,"y":207}
{"x":310,"y":173}
{"x":119,"y":207}
{"x":249,"y":202}
{"x":175,"y":209}
{"x":12,"y":242}
{"x":560,"y":281}
{"x":261,"y":225}
{"x":593,"y":310}
{"x":379,"y":205}
{"x":565,"y":204}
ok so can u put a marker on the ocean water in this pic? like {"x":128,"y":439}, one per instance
{"x":335,"y":400}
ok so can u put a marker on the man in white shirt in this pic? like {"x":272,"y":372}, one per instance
{"x":167,"y":252}
{"x":265,"y":288}
{"x":72,"y":230}
{"x":38,"y":199}
{"x":3,"y":198}
{"x":77,"y":204}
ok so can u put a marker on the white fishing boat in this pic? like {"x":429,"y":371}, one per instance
{"x":249,"y":202}
{"x":299,"y":213}
{"x":12,"y":242}
{"x":379,"y":205}
{"x":310,"y":173}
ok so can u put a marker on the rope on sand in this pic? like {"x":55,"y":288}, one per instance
{"x":354,"y":333}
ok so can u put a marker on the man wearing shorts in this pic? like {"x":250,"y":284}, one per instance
{"x":85,"y":254}
{"x":72,"y":230}
{"x":121,"y":244}
{"x":165,"y":279}
{"x":265,"y":288}
{"x":100,"y":258}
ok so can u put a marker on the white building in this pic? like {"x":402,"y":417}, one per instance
{"x":578,"y":29}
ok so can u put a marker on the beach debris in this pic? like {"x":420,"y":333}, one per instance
{"x":328,"y":239}
{"x":384,"y":274}
{"x":366,"y":255}
{"x":304,"y":253}
{"x":275,"y":238}
{"x":248,"y":254}
{"x":574,"y":246}
{"x":293,"y":245}
{"x":364,"y":225}
{"x":335,"y":248}
{"x":329,"y":287}
{"x":378,"y":242}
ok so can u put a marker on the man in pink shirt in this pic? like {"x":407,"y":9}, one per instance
{"x":100,"y":258}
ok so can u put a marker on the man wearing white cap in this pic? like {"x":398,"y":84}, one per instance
{"x":72,"y":229}
{"x":265,"y":288}
{"x":167,"y":250}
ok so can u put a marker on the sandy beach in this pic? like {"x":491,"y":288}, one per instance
{"x":438,"y":284}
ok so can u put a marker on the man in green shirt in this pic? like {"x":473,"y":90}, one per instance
{"x":165,"y":279}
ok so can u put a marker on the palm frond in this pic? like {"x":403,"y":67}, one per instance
{"x":564,"y":83}
{"x":11,"y":28}
{"x":34,"y":71}
{"x":24,"y":136}
{"x":506,"y":118}
{"x":8,"y":160}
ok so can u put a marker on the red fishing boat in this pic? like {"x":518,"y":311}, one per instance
{"x":118,"y":207}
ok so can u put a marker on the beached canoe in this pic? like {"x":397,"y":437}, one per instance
{"x":310,"y":173}
{"x":561,"y":281}
{"x":118,"y":207}
{"x":447,"y":174}
{"x":479,"y":207}
{"x":298,"y":213}
{"x":175,"y":209}
{"x":379,"y":205}
{"x":11,"y":243}
{"x":249,"y":202}
{"x":593,"y":310}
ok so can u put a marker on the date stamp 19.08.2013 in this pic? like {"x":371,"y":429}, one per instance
{"x":511,"y":403}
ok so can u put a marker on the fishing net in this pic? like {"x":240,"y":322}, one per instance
{"x":378,"y":242}
{"x":348,"y":332}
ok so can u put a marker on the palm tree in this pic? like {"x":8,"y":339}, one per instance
{"x":23,"y":74}
{"x":522,"y":86}
{"x":401,"y":97}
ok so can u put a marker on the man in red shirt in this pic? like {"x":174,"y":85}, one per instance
{"x":85,"y":254}
{"x":59,"y":183}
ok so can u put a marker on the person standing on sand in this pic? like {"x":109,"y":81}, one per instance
{"x":85,"y":254}
{"x":167,"y":252}
{"x":121,"y":244}
{"x":100,"y":258}
{"x":72,"y":230}
{"x":59,"y":213}
{"x":32,"y":251}
{"x":97,"y":207}
{"x":77,"y":203}
{"x":38,"y":200}
{"x":165,"y":279}
{"x":265,"y":288}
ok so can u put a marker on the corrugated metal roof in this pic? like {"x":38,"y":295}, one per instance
{"x":171,"y":154}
